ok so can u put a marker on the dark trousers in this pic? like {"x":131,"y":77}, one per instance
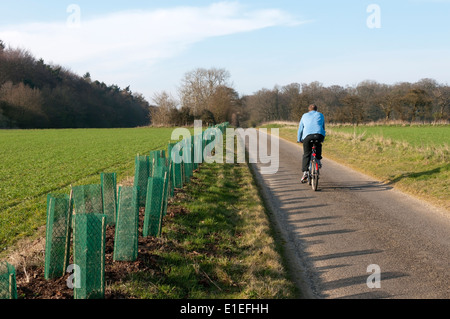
{"x":307,"y":149}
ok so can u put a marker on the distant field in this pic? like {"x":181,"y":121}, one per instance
{"x":419,"y":135}
{"x":34,"y":163}
{"x":416,"y":158}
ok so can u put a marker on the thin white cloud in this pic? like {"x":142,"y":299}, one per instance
{"x":137,"y":39}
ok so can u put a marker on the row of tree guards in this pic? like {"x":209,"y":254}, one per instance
{"x":77,"y":222}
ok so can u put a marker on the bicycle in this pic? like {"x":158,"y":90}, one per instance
{"x":314,"y":168}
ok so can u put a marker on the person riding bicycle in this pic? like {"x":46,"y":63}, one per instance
{"x":311,"y":127}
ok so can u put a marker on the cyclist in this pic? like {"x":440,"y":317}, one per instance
{"x":311,"y":127}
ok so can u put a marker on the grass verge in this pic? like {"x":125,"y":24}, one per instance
{"x":216,"y":244}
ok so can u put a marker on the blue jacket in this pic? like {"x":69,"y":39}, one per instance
{"x":311,"y":123}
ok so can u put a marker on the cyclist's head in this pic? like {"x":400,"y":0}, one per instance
{"x":313,"y":107}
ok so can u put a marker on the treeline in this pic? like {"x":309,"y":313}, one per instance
{"x":207,"y":94}
{"x":34,"y":94}
{"x":369,"y":101}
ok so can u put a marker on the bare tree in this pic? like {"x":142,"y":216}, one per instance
{"x":23,"y":102}
{"x":164,"y":102}
{"x":262,"y":106}
{"x":223,"y":103}
{"x":387,"y":103}
{"x":442,"y":96}
{"x":353,"y":109}
{"x":331,"y":102}
{"x":289,"y":99}
{"x":418,"y":103}
{"x":199,"y":86}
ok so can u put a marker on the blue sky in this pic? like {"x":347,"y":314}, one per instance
{"x":150,"y":45}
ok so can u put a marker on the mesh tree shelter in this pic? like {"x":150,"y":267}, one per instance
{"x":172,"y":169}
{"x":142,"y":172}
{"x":57,"y":244}
{"x":87,"y":199}
{"x":109,"y":196}
{"x":154,"y":155}
{"x":8,"y":286}
{"x":170,"y":182}
{"x":175,"y":157}
{"x":127,"y":225}
{"x":89,"y":237}
{"x":154,"y":207}
{"x":164,"y":173}
{"x":169,"y":150}
{"x":155,"y":159}
{"x":194,"y":164}
{"x":198,"y":150}
{"x":187,"y":159}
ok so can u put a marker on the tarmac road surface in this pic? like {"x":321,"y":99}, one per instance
{"x":355,"y":234}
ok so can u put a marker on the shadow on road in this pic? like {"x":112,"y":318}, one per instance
{"x":354,"y":186}
{"x":347,"y":254}
{"x":361,"y":280}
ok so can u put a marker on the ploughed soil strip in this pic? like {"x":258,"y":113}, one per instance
{"x":31,"y":283}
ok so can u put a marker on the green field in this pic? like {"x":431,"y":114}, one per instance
{"x":34,"y":163}
{"x":412,"y":158}
{"x":416,"y":135}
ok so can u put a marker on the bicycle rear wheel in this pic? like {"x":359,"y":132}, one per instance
{"x":309,"y":174}
{"x":314,"y":176}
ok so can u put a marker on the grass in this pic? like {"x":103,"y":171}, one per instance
{"x":414,"y":135}
{"x":34,"y":163}
{"x":220,"y":247}
{"x":216,"y":243}
{"x":413,"y":158}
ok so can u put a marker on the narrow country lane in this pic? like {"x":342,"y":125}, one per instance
{"x":340,"y":237}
